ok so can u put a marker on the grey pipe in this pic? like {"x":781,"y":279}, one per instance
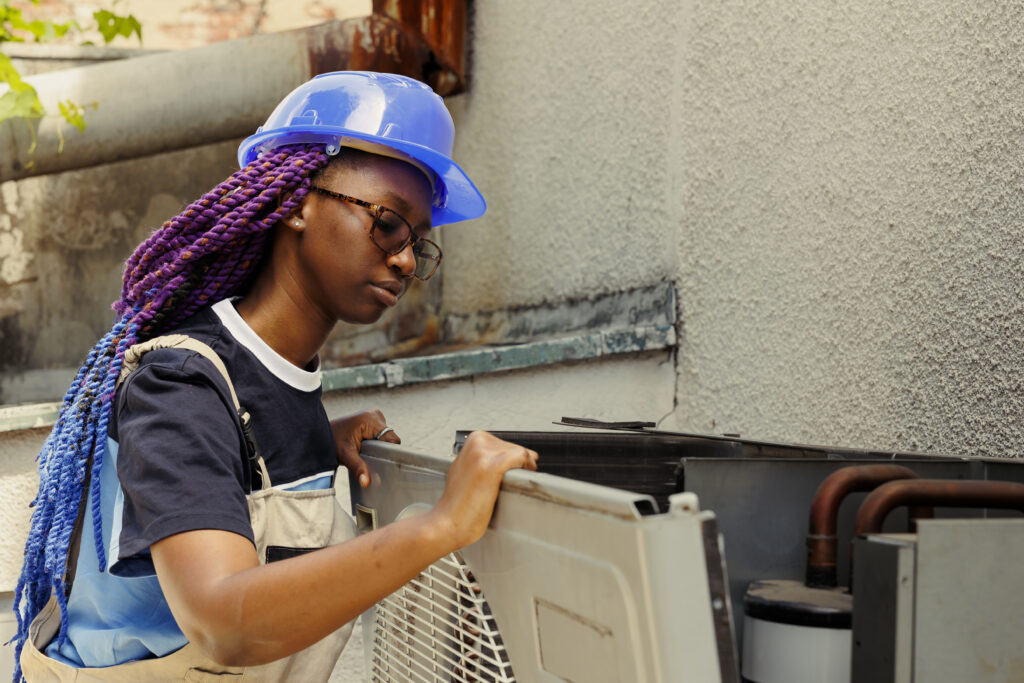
{"x":175,"y":100}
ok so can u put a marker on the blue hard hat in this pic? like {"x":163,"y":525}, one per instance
{"x":365,"y":109}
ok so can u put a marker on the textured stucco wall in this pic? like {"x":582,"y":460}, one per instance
{"x":849,"y":204}
{"x":563,"y":130}
{"x":835,"y":189}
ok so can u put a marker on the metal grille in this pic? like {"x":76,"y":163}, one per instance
{"x":438,"y":628}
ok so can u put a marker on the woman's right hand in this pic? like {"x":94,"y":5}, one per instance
{"x":472,"y":485}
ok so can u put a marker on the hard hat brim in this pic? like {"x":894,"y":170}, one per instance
{"x":459,"y":199}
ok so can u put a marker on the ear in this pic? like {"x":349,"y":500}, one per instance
{"x":294,"y":218}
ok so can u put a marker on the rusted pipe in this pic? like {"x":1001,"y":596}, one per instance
{"x":822,"y":544}
{"x":441,"y":25}
{"x":186,"y":98}
{"x":1003,"y":495}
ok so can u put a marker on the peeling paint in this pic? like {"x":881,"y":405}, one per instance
{"x":394,"y":374}
{"x":14,"y":258}
{"x":651,"y":305}
{"x":88,"y":230}
{"x":9,"y":196}
{"x":473,"y":362}
{"x":353,"y":378}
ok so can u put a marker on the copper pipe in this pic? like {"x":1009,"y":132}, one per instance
{"x":822,"y":544}
{"x":1003,"y":495}
{"x":916,"y":512}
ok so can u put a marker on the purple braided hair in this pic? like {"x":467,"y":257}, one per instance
{"x":204,"y":254}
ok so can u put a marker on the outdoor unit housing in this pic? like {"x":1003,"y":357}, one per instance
{"x":609,"y":572}
{"x":571,"y":582}
{"x":940,"y":606}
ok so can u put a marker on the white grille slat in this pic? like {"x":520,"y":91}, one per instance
{"x":438,"y":628}
{"x":476,"y":600}
{"x":394,"y":655}
{"x":484,"y":630}
{"x":411,"y":675}
{"x":449,"y":581}
{"x":453,"y":650}
{"x":418,"y":676}
{"x":424,"y":651}
{"x":456,"y":633}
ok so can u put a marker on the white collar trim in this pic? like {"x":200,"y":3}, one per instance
{"x":278,"y":365}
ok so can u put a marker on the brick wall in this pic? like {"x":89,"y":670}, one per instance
{"x":183,"y":24}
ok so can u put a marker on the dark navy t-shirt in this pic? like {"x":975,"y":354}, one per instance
{"x":175,"y":462}
{"x":182,"y":461}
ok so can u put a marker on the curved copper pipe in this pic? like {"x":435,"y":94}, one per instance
{"x":1003,"y":495}
{"x":822,"y":544}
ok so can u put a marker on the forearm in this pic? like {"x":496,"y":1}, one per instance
{"x":263,"y":613}
{"x":242,"y":613}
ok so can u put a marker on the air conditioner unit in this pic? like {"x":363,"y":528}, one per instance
{"x":571,"y":582}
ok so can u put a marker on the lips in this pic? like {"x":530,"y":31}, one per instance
{"x":388,"y":291}
{"x":393,"y":286}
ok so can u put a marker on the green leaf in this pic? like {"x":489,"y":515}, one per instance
{"x":73,"y":114}
{"x":41,"y":30}
{"x":21,"y":101}
{"x":10,"y":75}
{"x":59,"y":30}
{"x":113,"y":25}
{"x":20,"y":105}
{"x":12,"y":21}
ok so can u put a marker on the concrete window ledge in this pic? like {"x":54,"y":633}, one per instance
{"x":32,"y":416}
{"x":630,"y":322}
{"x":480,"y":361}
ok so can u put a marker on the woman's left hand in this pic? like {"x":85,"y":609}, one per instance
{"x":350,"y":431}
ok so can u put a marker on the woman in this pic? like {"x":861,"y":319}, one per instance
{"x":202,"y":462}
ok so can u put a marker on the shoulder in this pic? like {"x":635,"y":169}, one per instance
{"x":167,"y":375}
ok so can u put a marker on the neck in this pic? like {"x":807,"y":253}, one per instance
{"x":282,"y":316}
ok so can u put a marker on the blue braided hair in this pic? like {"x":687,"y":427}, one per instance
{"x":205,"y":254}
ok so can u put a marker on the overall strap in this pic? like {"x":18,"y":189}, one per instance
{"x":134,"y":354}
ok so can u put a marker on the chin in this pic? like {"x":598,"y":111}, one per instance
{"x":367,"y":317}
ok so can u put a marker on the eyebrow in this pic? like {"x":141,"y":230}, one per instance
{"x":396,"y":203}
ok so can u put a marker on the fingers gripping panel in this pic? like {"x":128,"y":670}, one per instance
{"x":438,"y":627}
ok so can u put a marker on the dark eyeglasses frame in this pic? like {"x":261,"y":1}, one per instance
{"x":378,"y":211}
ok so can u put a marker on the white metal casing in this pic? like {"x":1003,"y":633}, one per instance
{"x":941,"y":605}
{"x":573,"y":581}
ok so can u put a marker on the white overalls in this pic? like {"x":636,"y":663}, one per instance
{"x":280,"y":519}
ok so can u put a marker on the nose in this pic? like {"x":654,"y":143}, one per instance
{"x":404,"y":261}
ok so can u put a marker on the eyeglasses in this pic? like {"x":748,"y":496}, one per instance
{"x":392,"y":233}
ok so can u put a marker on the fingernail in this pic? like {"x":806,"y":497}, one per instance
{"x":364,"y":480}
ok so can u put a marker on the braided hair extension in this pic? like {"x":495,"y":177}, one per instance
{"x":205,"y":254}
